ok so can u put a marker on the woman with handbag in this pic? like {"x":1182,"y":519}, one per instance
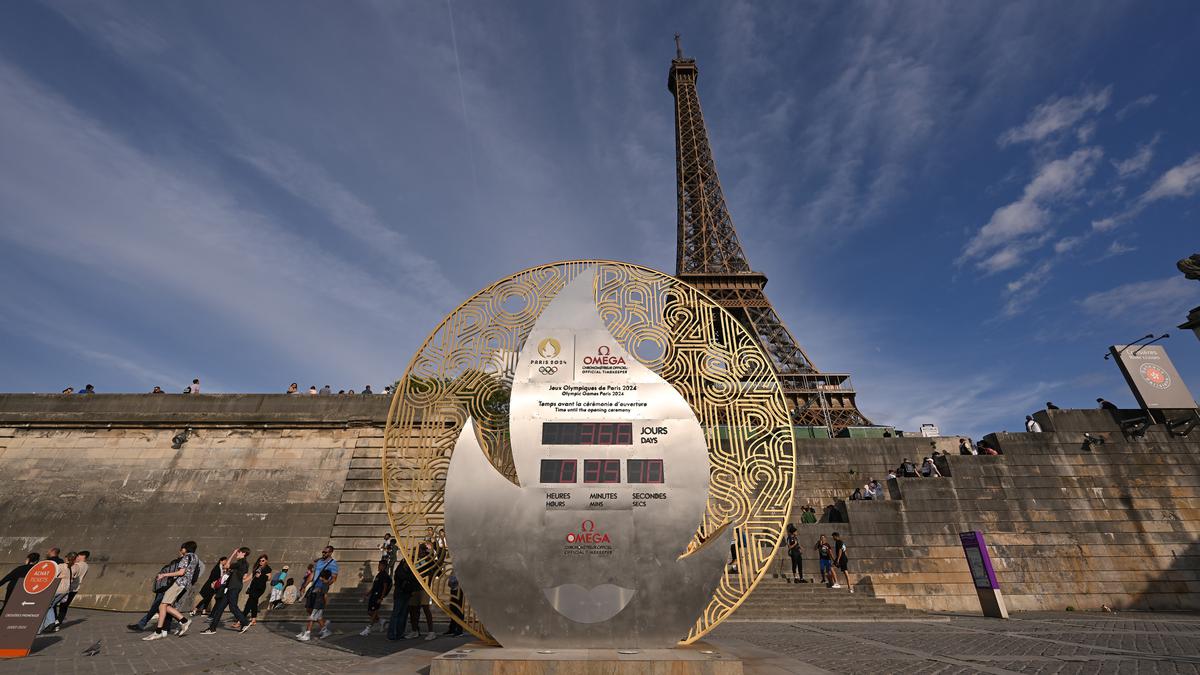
{"x":209,"y":589}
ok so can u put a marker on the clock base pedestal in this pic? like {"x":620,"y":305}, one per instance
{"x":479,"y":659}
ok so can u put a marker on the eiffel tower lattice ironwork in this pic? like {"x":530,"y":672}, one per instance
{"x":710,"y":256}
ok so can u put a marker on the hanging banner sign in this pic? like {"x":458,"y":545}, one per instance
{"x":23,"y":615}
{"x":1152,"y":377}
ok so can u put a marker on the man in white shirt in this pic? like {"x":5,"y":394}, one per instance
{"x":63,"y":576}
{"x":1032,"y":426}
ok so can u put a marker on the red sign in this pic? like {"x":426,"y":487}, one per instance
{"x":22,"y":617}
{"x":40,"y":577}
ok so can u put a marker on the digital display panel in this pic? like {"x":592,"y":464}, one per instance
{"x":587,"y":433}
{"x":644,"y":470}
{"x":602,"y":471}
{"x":558,"y":470}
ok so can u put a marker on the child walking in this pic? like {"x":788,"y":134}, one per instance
{"x":316,"y":604}
{"x":379,"y":591}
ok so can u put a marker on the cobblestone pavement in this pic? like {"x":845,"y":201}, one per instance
{"x":1067,"y":642}
{"x":1029,"y":643}
{"x":269,"y":647}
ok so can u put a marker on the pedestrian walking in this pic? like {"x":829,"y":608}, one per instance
{"x":18,"y":573}
{"x":316,"y":606}
{"x":259,"y":577}
{"x":209,"y":589}
{"x":159,"y":589}
{"x":840,"y":561}
{"x":380,"y":587}
{"x":79,"y":568}
{"x":239,"y":574}
{"x":62,"y":575}
{"x":187,"y":571}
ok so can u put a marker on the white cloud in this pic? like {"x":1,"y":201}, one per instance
{"x":1178,"y":181}
{"x":345,"y":210}
{"x":1136,"y":104}
{"x":1057,"y":114}
{"x":1117,"y":248}
{"x":1139,"y":161}
{"x":1021,"y":226}
{"x":1022,"y":291}
{"x":1066,"y":244}
{"x":1153,"y":305}
{"x":73,"y":191}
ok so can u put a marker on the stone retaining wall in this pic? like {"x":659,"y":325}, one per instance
{"x":1117,"y":524}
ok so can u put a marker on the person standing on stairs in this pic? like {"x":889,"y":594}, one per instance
{"x":825,"y":554}
{"x":796,"y":554}
{"x":840,"y":561}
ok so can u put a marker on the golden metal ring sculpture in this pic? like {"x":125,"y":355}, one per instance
{"x":465,"y":369}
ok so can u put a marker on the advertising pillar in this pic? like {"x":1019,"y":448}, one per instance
{"x":982,"y":574}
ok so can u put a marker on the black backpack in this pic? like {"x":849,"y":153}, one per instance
{"x":198,"y":573}
{"x":161,"y":585}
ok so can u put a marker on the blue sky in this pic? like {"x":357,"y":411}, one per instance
{"x":962,"y":204}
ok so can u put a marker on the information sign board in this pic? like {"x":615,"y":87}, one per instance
{"x":26,"y":608}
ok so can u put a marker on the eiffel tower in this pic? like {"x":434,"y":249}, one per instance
{"x":709,"y":256}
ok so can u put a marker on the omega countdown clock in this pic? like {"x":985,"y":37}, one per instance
{"x":608,"y":452}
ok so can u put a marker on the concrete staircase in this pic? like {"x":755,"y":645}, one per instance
{"x":776,"y":599}
{"x":1067,"y":526}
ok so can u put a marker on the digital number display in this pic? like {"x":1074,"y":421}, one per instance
{"x":602,"y":471}
{"x":587,"y":433}
{"x":558,"y":471}
{"x":644,"y":470}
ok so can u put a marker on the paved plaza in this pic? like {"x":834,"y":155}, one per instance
{"x":1028,"y":643}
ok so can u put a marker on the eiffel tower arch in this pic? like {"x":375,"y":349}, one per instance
{"x":709,"y":255}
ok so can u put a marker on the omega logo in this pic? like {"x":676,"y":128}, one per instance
{"x":588,"y":534}
{"x":603,"y":358}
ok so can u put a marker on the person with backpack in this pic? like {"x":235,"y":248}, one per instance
{"x":325,"y":563}
{"x":239,"y":573}
{"x":187,"y":571}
